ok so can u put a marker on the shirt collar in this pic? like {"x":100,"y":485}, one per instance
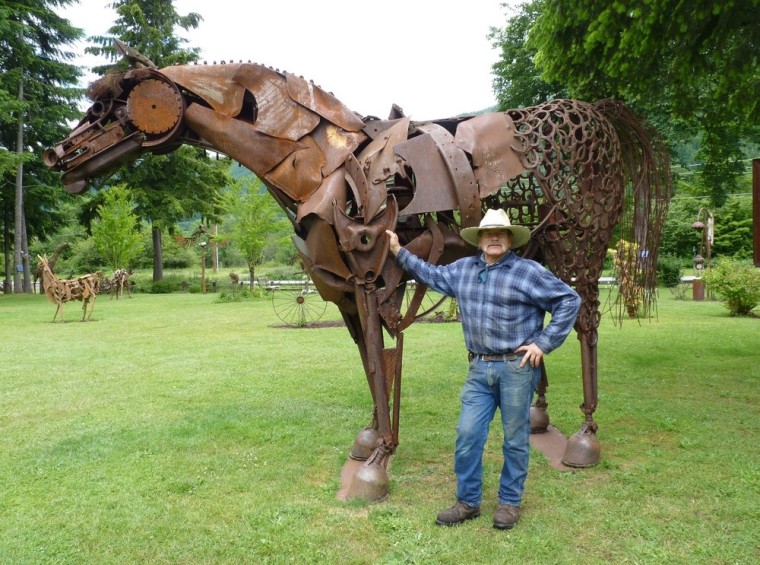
{"x":507,"y":259}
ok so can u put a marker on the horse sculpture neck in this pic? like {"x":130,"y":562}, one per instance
{"x":289,"y":132}
{"x":47,"y":272}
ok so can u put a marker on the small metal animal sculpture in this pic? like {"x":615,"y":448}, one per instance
{"x":59,"y":291}
{"x":563,"y":167}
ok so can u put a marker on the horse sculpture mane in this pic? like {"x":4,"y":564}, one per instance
{"x":568,"y":169}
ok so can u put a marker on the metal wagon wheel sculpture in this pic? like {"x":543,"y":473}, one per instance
{"x":431,"y":301}
{"x":298,"y":307}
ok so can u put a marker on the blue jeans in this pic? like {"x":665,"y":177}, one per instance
{"x":490,"y":385}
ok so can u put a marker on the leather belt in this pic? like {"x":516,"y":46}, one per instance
{"x":501,"y":357}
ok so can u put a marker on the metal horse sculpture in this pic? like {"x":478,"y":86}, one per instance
{"x":343,"y":179}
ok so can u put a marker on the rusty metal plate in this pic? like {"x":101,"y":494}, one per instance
{"x":490,"y":139}
{"x":336,"y":144}
{"x":435,"y":189}
{"x":213,"y":83}
{"x":278,"y":114}
{"x":378,"y":159}
{"x":323,"y":103}
{"x":324,"y":255}
{"x":300,"y":173}
{"x":461,"y":172}
{"x":235,"y":139}
{"x":332,"y":191}
{"x":374,"y":128}
{"x":359,"y":185}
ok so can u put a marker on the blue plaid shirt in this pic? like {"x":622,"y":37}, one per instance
{"x":502,"y":305}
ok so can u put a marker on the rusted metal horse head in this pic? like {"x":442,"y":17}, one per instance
{"x":343,"y":179}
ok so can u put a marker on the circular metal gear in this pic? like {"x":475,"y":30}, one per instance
{"x":154,"y":106}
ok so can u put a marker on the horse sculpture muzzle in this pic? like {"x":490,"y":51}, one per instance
{"x":91,"y":150}
{"x":138,"y":111}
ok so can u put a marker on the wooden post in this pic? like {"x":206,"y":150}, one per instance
{"x":203,"y":267}
{"x":215,"y":250}
{"x":756,"y":209}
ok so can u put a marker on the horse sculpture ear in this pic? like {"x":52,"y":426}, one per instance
{"x":133,"y":56}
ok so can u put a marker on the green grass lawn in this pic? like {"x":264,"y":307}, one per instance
{"x":175,"y":429}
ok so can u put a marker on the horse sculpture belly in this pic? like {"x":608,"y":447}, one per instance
{"x":343,"y":180}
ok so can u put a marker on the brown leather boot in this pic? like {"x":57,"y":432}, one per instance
{"x":506,"y":516}
{"x":457,"y":514}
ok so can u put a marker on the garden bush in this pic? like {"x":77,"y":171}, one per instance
{"x":737,"y":282}
{"x":669,"y":271}
{"x":165,"y":286}
{"x":83,"y":258}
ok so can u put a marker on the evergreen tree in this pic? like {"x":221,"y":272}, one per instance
{"x":147,"y":26}
{"x":37,"y":97}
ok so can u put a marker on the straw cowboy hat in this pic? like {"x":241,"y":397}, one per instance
{"x":496,"y":220}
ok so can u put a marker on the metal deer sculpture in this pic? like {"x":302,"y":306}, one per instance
{"x":563,"y":167}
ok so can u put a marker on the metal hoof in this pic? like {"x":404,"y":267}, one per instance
{"x":364,"y":444}
{"x":370,"y":483}
{"x":583,"y":449}
{"x":539,"y":420}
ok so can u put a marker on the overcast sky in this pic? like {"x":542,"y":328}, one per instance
{"x":431,"y":57}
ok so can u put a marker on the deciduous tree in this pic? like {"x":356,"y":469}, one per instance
{"x":517,"y":82}
{"x":690,"y":67}
{"x":253,"y":218}
{"x":115,"y":232}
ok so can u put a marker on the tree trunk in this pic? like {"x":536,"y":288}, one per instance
{"x":158,"y":256}
{"x":215,"y":250}
{"x":7,"y":255}
{"x":25,"y":254}
{"x":18,"y":249}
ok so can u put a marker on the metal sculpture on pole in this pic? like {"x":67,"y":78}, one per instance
{"x":564,"y":168}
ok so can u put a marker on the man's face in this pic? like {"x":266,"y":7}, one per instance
{"x":495,"y":244}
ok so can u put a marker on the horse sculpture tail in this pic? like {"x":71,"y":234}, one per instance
{"x":648,"y":187}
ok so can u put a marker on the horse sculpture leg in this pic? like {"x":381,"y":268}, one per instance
{"x":58,"y":309}
{"x":539,"y":417}
{"x":366,"y":440}
{"x":92,"y":306}
{"x":371,"y":481}
{"x":583,"y":449}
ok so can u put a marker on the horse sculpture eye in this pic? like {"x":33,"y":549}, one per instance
{"x":154,"y":106}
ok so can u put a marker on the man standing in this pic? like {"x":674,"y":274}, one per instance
{"x":503,"y":299}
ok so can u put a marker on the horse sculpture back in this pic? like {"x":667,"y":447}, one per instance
{"x":563,"y":168}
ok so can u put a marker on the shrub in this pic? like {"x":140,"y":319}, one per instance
{"x":165,"y":286}
{"x":669,"y":271}
{"x":195,"y":288}
{"x":281,"y":273}
{"x":84,"y":258}
{"x":680,"y":291}
{"x":226,"y":295}
{"x":737,"y":282}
